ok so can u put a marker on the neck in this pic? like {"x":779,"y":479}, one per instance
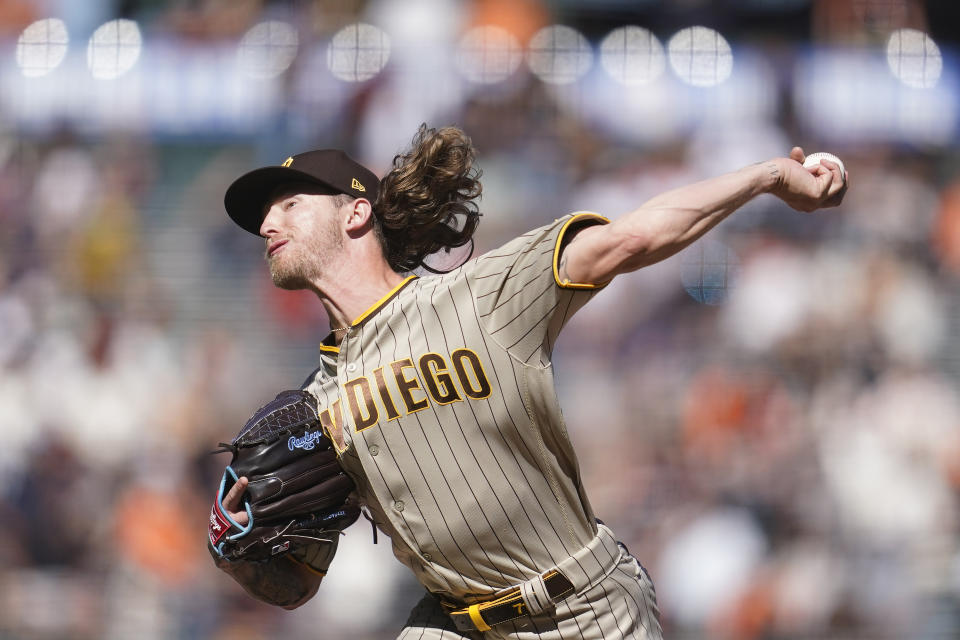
{"x":353,"y":290}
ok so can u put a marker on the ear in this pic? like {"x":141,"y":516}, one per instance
{"x":360,"y":216}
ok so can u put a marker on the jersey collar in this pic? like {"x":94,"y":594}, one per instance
{"x":329,"y":343}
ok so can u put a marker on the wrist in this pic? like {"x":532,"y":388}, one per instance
{"x":768,"y":176}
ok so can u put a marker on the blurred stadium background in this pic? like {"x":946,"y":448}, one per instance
{"x":770,"y":420}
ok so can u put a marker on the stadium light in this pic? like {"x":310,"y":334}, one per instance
{"x":559,"y":55}
{"x":700,"y":56}
{"x":709,"y":270}
{"x":632,"y":56}
{"x":268,"y":49}
{"x":914,"y":58}
{"x":358,"y":52}
{"x":114,"y":49}
{"x":42,"y":47}
{"x":488,"y":54}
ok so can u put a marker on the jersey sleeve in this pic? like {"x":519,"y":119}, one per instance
{"x":520,"y":298}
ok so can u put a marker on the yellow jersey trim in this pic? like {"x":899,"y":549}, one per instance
{"x":575,"y":218}
{"x":329,"y":349}
{"x":382,"y":301}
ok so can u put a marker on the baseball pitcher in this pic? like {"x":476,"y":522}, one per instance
{"x":436,"y":393}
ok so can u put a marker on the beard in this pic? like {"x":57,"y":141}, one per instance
{"x":300,"y":264}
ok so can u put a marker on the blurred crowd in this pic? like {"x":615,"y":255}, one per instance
{"x":770,"y":420}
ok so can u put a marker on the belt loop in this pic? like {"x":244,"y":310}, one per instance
{"x":476,"y":618}
{"x":535,"y":595}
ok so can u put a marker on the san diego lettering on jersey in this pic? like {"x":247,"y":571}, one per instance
{"x":406,"y":386}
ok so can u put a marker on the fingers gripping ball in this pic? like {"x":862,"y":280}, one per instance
{"x":814,"y":159}
{"x":297,"y":499}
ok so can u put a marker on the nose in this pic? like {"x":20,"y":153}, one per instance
{"x":269,"y":226}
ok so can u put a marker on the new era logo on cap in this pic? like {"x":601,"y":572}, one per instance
{"x":331,"y":168}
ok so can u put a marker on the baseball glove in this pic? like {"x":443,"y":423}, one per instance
{"x":298,"y":498}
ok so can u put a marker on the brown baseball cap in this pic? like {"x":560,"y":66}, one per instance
{"x":330,"y":168}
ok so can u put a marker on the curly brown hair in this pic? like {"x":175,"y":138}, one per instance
{"x":425,"y":203}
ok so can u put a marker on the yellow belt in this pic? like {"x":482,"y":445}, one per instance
{"x":509,"y":606}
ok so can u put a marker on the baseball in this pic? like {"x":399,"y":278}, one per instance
{"x":813,"y":160}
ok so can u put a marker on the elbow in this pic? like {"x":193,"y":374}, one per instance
{"x":643,"y":232}
{"x":654,"y":238}
{"x":643,"y":249}
{"x":636,"y":249}
{"x":636,"y":242}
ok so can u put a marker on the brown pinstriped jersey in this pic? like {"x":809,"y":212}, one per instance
{"x":441,"y":402}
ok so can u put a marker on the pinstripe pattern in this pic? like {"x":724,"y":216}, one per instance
{"x":451,"y":429}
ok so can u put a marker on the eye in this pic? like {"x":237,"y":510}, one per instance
{"x":289,"y":204}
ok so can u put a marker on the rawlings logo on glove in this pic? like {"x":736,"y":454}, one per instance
{"x":308,"y":441}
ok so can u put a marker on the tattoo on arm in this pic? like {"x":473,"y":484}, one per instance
{"x":773,"y":170}
{"x":562,"y":267}
{"x":771,"y":167}
{"x":564,"y":276}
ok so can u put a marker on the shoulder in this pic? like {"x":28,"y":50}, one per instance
{"x":539,"y":247}
{"x":551,"y":233}
{"x":534,"y":251}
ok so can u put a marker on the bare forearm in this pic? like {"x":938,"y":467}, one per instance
{"x":691,"y":210}
{"x":282,"y":582}
{"x":672,"y":220}
{"x":664,"y":225}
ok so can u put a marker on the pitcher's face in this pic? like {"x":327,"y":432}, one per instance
{"x":303,"y":235}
